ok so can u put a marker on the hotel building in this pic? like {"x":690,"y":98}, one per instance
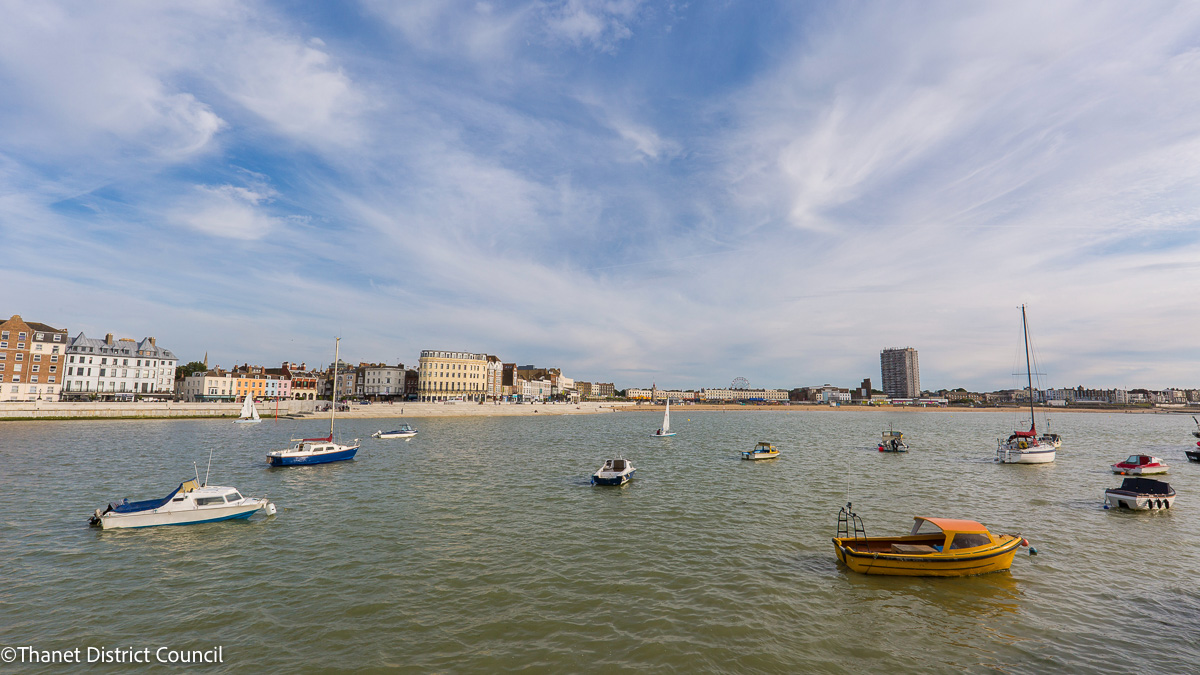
{"x":444,"y":375}
{"x":118,"y":369}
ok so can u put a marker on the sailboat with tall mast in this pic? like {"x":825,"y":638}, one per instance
{"x":317,"y":450}
{"x":1026,"y":447}
{"x":665,"y":431}
{"x":249,"y":412}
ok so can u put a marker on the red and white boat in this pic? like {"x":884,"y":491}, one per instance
{"x":1140,"y":465}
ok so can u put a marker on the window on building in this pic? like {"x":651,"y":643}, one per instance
{"x":3,"y":345}
{"x":54,"y":369}
{"x":58,"y":337}
{"x":51,"y":380}
{"x":22,"y":336}
{"x":20,"y":356}
{"x":33,"y":378}
{"x":36,"y":368}
{"x":37,"y":357}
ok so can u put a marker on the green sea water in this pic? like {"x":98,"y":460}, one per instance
{"x":480,"y":546}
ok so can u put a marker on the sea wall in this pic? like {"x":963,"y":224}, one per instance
{"x":100,"y":409}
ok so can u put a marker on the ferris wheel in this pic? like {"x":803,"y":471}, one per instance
{"x":740,"y":383}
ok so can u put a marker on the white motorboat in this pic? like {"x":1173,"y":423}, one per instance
{"x":665,"y":431}
{"x":1140,"y":465}
{"x":614,"y":472}
{"x":307,"y":451}
{"x":249,"y":412}
{"x":1140,"y":494}
{"x":1026,"y":447}
{"x":190,"y":504}
{"x":405,"y":431}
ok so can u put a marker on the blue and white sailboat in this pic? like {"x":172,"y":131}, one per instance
{"x":666,"y":427}
{"x":317,"y":450}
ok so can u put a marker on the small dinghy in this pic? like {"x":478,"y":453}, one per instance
{"x":1140,"y":494}
{"x":936,"y":547}
{"x":893,"y":441}
{"x":665,"y":430}
{"x":614,"y":472}
{"x":1140,"y":465}
{"x":763,"y":450}
{"x":405,"y":431}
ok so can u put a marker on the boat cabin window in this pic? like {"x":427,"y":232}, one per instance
{"x":925,"y":527}
{"x":969,"y":540}
{"x":232,"y":497}
{"x":1133,"y":459}
{"x":179,"y":498}
{"x":204,"y":501}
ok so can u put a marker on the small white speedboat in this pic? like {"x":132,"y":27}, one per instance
{"x":1140,"y":494}
{"x":405,"y":431}
{"x":1140,"y":465}
{"x":614,"y":472}
{"x":189,"y":504}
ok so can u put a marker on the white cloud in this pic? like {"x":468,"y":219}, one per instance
{"x":227,"y":211}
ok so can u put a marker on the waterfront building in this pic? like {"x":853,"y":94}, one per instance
{"x":495,"y":378}
{"x":445,"y":375}
{"x":302,"y":384}
{"x":605,"y":390}
{"x":257,"y":382}
{"x":32,"y":357}
{"x":723,"y":395}
{"x":584,"y":389}
{"x":536,"y":390}
{"x":901,"y":373}
{"x":382,"y":382}
{"x":121,"y":369}
{"x":214,"y":385}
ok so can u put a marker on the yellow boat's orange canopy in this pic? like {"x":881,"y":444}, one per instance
{"x":954,"y":524}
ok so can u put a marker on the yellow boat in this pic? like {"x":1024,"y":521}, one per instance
{"x":763,"y":450}
{"x":936,"y":547}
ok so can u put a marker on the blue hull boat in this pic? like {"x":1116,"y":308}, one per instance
{"x":317,"y":458}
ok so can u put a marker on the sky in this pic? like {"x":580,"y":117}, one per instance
{"x":678,"y":193}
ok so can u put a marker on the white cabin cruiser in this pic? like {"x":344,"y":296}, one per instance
{"x":405,"y":431}
{"x":189,"y":504}
{"x":614,"y":472}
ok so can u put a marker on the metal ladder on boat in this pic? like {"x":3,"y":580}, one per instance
{"x":850,"y":524}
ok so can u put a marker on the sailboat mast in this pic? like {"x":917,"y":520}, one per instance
{"x":1028,"y":368}
{"x":333,"y":408}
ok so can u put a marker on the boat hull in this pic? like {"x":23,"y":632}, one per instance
{"x":1192,"y":455}
{"x":1124,"y":499}
{"x":759,"y":455}
{"x":617,"y":479}
{"x":400,"y":435}
{"x":992,"y":559}
{"x":1139,"y":470}
{"x":310,"y":459}
{"x":1032,"y":455}
{"x":662,"y":435}
{"x":110,"y":521}
{"x":247,"y":421}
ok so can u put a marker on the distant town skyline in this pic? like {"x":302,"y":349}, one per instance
{"x":680,"y":193}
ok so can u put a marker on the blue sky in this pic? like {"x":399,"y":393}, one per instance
{"x":670,"y":192}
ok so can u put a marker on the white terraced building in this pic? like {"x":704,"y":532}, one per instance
{"x":118,"y":369}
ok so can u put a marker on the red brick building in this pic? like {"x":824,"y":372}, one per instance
{"x":31,"y":360}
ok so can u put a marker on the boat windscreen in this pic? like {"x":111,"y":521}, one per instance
{"x":127,"y":506}
{"x":922,"y":526}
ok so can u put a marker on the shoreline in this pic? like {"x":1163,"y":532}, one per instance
{"x":60,"y":412}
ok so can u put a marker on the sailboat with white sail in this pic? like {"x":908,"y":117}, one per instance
{"x":317,"y":450}
{"x":1026,"y":447}
{"x":666,"y":425}
{"x":249,"y":412}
